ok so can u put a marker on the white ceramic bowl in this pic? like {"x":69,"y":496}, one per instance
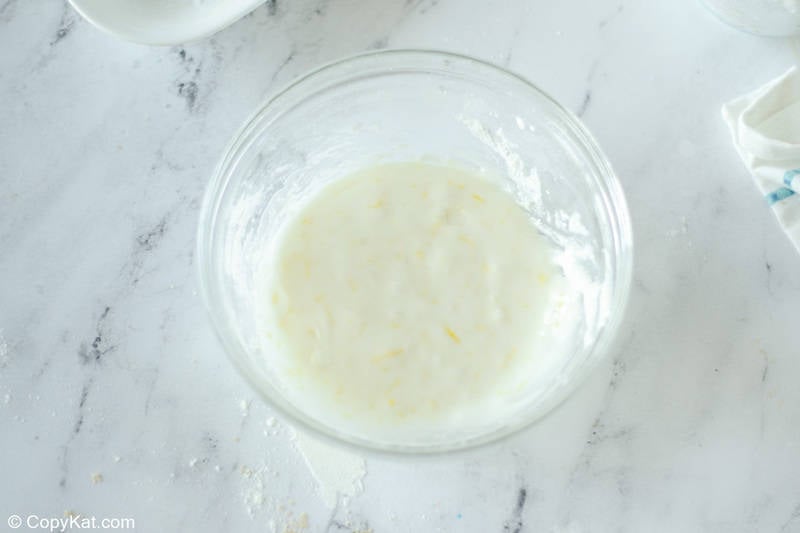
{"x":163,"y":22}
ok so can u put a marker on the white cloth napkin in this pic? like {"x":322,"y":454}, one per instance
{"x":765,"y":125}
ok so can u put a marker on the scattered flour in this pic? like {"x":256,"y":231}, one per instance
{"x":253,"y":493}
{"x":338,"y":473}
{"x":338,"y":476}
{"x":282,"y":517}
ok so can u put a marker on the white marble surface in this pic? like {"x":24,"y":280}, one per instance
{"x":108,"y":365}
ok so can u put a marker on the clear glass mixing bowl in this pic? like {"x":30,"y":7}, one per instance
{"x":405,"y":106}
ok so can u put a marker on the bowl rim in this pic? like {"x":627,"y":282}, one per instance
{"x":184,"y":35}
{"x":608,"y":188}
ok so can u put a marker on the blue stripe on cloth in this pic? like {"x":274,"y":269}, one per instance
{"x":789,"y":176}
{"x":778,"y":194}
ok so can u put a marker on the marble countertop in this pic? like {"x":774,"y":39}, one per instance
{"x":117,"y":401}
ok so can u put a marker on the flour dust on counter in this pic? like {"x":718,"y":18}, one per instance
{"x":338,"y":474}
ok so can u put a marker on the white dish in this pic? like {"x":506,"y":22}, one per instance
{"x":163,"y":22}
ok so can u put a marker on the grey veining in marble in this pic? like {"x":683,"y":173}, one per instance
{"x":117,"y":401}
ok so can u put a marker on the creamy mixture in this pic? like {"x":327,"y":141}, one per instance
{"x":410,"y":291}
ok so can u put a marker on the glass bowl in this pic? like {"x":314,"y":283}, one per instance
{"x":407,"y":105}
